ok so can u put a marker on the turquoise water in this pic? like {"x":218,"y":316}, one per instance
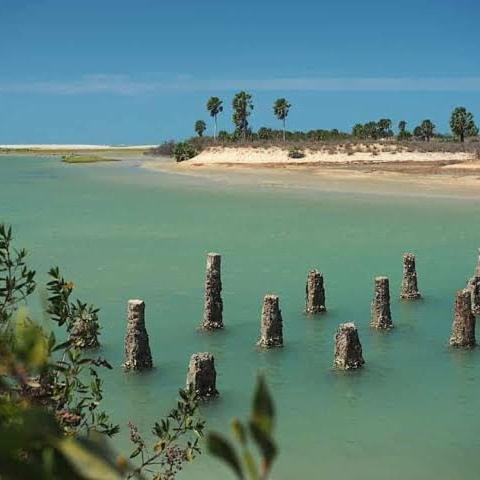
{"x":122,"y":232}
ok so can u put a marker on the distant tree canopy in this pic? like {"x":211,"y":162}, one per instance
{"x":214,"y":107}
{"x":425,"y":131}
{"x":200,"y":127}
{"x":280,"y":109}
{"x":242,"y":108}
{"x":373,"y":130}
{"x":462,"y":123}
{"x":403,"y":133}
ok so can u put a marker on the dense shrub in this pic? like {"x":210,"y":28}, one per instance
{"x":295,"y":152}
{"x":184,"y":151}
{"x":165,"y":149}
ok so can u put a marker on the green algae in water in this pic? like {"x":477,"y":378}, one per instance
{"x":120,"y":232}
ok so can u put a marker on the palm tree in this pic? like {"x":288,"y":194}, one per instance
{"x":280,"y":109}
{"x":242,"y":108}
{"x":427,"y":128}
{"x":214,"y":106}
{"x":462,"y":123}
{"x":200,"y":127}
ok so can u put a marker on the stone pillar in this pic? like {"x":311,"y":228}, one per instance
{"x":381,"y":315}
{"x":314,"y":293}
{"x":474,"y":287}
{"x":348,"y":349}
{"x":409,"y":282}
{"x":463,"y":327}
{"x":271,"y":333}
{"x":213,"y":308}
{"x":202,"y":376}
{"x":137,"y":348}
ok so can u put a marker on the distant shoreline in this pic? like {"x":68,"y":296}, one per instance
{"x":63,"y":149}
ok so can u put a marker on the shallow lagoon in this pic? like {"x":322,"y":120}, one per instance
{"x":122,"y":232}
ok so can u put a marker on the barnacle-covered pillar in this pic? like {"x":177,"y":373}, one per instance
{"x":314,"y":293}
{"x":381,"y":315}
{"x":271,"y":330}
{"x":348,"y":349}
{"x":213,"y":307}
{"x":474,"y":288}
{"x":463,"y":327}
{"x":137,"y":348}
{"x":202,"y":376}
{"x":409,"y":282}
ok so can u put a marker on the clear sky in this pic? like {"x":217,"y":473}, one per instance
{"x":141,"y":71}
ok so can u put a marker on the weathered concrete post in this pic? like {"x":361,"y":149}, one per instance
{"x":463,"y":327}
{"x":271,"y":331}
{"x":409,"y":283}
{"x":474,"y":287}
{"x":381,"y":315}
{"x":202,"y":376}
{"x":137,"y":348}
{"x":213,"y":308}
{"x":348,"y":349}
{"x":314,"y":293}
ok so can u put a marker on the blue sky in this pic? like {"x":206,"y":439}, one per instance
{"x":140,"y":71}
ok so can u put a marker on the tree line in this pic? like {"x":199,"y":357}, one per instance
{"x":462,"y":125}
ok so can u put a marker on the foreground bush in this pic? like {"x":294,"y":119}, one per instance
{"x":184,"y":151}
{"x":295,"y":152}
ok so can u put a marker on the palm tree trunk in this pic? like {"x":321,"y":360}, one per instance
{"x":284,"y":129}
{"x":215,"y":127}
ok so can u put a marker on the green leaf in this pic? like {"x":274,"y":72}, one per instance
{"x":265,"y":443}
{"x":239,"y":431}
{"x":263,"y":412}
{"x":222,"y":449}
{"x":88,"y":461}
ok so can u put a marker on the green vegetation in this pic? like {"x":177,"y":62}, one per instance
{"x":214,"y":107}
{"x":184,"y":151}
{"x":462,"y":124}
{"x":425,"y":130}
{"x":280,"y":109}
{"x":296,"y":152}
{"x":242,"y":108}
{"x":257,"y":430}
{"x":373,"y":130}
{"x":73,"y":158}
{"x":200,"y":127}
{"x":403,"y":133}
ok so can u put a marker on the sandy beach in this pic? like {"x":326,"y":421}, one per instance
{"x":371,"y":154}
{"x":405,"y":173}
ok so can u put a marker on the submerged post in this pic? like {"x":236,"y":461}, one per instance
{"x":213,"y":307}
{"x":409,"y":283}
{"x":137,"y":348}
{"x":463,"y":327}
{"x":381,"y":314}
{"x":271,"y":330}
{"x":314,"y":293}
{"x":348,"y":349}
{"x":202,"y":376}
{"x":477,"y":269}
{"x":474,"y":287}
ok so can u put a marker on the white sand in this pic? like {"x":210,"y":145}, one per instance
{"x":275,"y":155}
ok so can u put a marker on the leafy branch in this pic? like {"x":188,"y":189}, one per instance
{"x":16,"y":279}
{"x":259,"y":429}
{"x":176,"y":440}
